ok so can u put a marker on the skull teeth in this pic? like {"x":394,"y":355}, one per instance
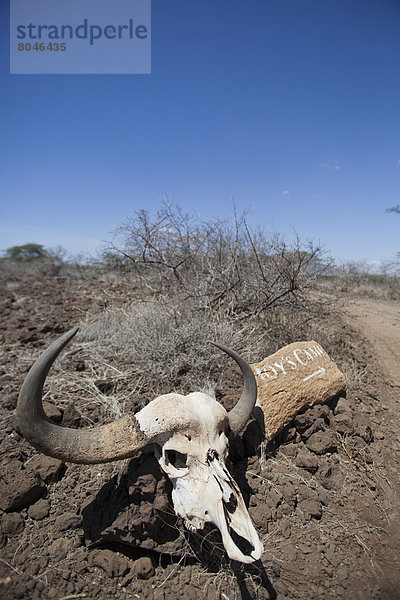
{"x":189,"y":525}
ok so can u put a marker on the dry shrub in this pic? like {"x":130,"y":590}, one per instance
{"x":157,"y":348}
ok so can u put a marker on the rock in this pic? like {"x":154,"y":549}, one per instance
{"x":318,"y":425}
{"x":60,"y":548}
{"x":39,"y":510}
{"x":105,"y":386}
{"x":284,"y":528}
{"x":112,"y":563}
{"x":18,"y":487}
{"x":356,"y":446}
{"x":322,"y":442}
{"x":321,"y":411}
{"x":342,"y":572}
{"x":290,"y":554}
{"x":304,"y":421}
{"x":52,"y":412}
{"x":306,"y":460}
{"x":311,"y":508}
{"x":343,"y":423}
{"x":298,"y":375}
{"x":342,"y":406}
{"x":362,"y":428}
{"x":258,"y":514}
{"x":306,"y":493}
{"x":331,"y":477}
{"x":274,"y":498}
{"x":289,"y":450}
{"x":71,"y":417}
{"x":20,"y":590}
{"x":67,"y":521}
{"x":349,"y":424}
{"x":12,"y":523}
{"x":144,"y":568}
{"x":312,"y":530}
{"x":323,"y":495}
{"x":49,"y":469}
{"x":290,"y":494}
{"x":331,"y":555}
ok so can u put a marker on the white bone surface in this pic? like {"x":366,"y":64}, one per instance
{"x":191,"y":430}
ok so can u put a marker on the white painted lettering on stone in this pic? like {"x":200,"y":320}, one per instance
{"x":321,"y":371}
{"x":299,"y":357}
{"x":275,"y":375}
{"x":309,"y":355}
{"x":280,"y":366}
{"x":291,"y":362}
{"x":296,"y":354}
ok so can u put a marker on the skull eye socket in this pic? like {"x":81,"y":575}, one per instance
{"x":176,"y":459}
{"x":227,"y":431}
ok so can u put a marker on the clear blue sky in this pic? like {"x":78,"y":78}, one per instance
{"x":290,"y":106}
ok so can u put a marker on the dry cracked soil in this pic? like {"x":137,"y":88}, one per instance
{"x":327,"y":513}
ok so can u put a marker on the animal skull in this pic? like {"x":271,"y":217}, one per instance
{"x":189,"y":436}
{"x":193,"y":456}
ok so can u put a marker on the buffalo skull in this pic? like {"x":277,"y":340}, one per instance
{"x":188,"y":434}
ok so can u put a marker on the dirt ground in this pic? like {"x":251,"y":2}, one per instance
{"x":328,"y":514}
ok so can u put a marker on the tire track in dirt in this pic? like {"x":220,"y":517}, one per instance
{"x":379,"y":322}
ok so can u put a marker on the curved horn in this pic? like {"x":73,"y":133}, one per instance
{"x":105,"y":443}
{"x":240,"y":414}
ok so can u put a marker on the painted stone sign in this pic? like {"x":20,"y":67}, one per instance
{"x":298,"y":375}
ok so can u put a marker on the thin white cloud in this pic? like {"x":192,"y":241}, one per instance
{"x":286,"y":193}
{"x":330,"y":164}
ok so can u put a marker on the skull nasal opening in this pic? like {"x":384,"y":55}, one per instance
{"x":212,"y":455}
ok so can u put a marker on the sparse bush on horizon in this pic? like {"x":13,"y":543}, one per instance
{"x":30,"y":261}
{"x":26,"y":252}
{"x":369,"y":280}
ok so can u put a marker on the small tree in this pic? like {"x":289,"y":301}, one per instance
{"x":26,"y":252}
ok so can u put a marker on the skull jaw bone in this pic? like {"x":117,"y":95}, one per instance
{"x":215,"y":498}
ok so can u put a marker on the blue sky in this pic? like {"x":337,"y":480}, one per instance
{"x":292,"y":107}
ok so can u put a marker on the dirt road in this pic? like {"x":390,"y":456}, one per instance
{"x":379,"y":322}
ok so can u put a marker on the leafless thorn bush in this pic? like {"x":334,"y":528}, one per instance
{"x":218,"y":266}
